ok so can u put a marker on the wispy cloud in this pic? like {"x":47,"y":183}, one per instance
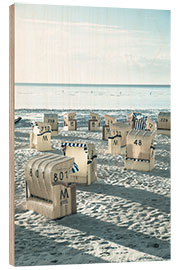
{"x":88,"y":51}
{"x":87,"y":26}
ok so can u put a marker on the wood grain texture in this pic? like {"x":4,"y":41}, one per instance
{"x":11,"y":130}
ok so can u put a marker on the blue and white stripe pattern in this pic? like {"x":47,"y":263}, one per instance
{"x":140,"y":123}
{"x":138,"y":160}
{"x":136,"y":115}
{"x":63,"y":145}
{"x":75,"y":168}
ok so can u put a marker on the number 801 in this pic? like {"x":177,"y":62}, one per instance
{"x":61,"y":176}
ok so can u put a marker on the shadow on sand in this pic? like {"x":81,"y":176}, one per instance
{"x":31,"y":248}
{"x":146,"y":198}
{"x":120,"y":235}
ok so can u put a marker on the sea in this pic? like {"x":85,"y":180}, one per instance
{"x":33,"y":100}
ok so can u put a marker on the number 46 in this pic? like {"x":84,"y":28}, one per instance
{"x":138,"y":142}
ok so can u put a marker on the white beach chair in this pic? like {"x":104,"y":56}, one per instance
{"x":70,"y":123}
{"x":140,"y":151}
{"x":106,"y":131}
{"x":94,"y":122}
{"x":40,"y":137}
{"x":164,"y":123}
{"x":46,"y":191}
{"x":117,"y":139}
{"x":52,"y":120}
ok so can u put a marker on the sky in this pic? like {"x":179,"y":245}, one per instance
{"x":93,"y":45}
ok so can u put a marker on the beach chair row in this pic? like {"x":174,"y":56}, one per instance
{"x":136,"y":120}
{"x":40,"y":137}
{"x":51,"y":179}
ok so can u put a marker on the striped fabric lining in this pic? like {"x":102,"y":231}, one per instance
{"x":137,"y":115}
{"x":139,"y":160}
{"x":75,"y":168}
{"x":140,"y":123}
{"x":63,"y":145}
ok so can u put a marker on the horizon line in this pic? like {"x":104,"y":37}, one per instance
{"x":86,"y":84}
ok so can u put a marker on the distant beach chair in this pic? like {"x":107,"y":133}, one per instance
{"x":85,"y":169}
{"x":117,"y":138}
{"x":46,"y":191}
{"x":70,"y":122}
{"x":109,"y":120}
{"x":52,"y":120}
{"x":139,"y":121}
{"x":40,"y":137}
{"x":140,"y":151}
{"x":164,"y":123}
{"x":94,"y":122}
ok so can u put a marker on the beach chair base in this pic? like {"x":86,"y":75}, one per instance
{"x":54,"y":133}
{"x":64,"y":203}
{"x":94,"y":125}
{"x":143,"y":165}
{"x":118,"y":151}
{"x":70,"y":125}
{"x":164,"y":132}
{"x":87,"y":179}
{"x":69,"y":128}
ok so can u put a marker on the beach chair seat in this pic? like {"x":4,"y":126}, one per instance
{"x":85,"y":158}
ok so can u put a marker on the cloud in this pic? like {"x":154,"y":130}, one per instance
{"x":87,"y":26}
{"x":62,"y":51}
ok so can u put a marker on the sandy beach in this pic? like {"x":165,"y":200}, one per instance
{"x":124,"y":216}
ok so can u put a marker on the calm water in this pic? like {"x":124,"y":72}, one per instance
{"x":61,"y":97}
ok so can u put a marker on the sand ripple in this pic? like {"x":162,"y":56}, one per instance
{"x":124,"y":216}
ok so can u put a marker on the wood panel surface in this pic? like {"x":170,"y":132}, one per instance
{"x":11,"y":129}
